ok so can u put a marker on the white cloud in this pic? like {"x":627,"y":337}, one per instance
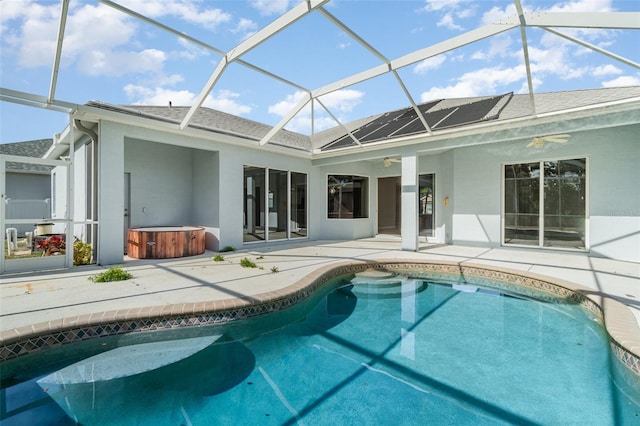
{"x":340,"y":103}
{"x":623,"y":81}
{"x":496,"y":14}
{"x":270,"y":7}
{"x":437,"y":5}
{"x":342,"y":100}
{"x":98,"y":62}
{"x":141,"y":95}
{"x":477,"y":83}
{"x":606,"y":70}
{"x":447,"y":22}
{"x":582,"y":6}
{"x":428,"y":64}
{"x":498,"y":47}
{"x":187,"y":10}
{"x":224,"y":100}
{"x":450,"y":10}
{"x":285,"y":106}
{"x":245,"y":26}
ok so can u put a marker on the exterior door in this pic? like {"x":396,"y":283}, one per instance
{"x":389,"y":205}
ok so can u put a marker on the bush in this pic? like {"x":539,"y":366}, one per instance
{"x":115,"y":273}
{"x":218,"y":258}
{"x":246,"y":263}
{"x":81,"y":253}
{"x":227,"y":248}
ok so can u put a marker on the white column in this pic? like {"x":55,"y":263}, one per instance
{"x":409,"y":182}
{"x":110,"y":195}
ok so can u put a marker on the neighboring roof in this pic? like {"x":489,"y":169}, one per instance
{"x":212,"y":120}
{"x":35,"y":149}
{"x":388,"y":126}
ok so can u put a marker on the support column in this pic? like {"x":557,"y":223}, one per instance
{"x":409,"y":182}
{"x":110,"y":195}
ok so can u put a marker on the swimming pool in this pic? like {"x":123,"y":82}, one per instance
{"x":390,"y":349}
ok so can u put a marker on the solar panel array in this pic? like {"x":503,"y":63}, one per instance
{"x":406,"y":122}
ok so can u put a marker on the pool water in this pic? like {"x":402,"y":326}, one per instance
{"x":409,"y":353}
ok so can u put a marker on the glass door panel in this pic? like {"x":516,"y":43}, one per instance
{"x":254,"y":204}
{"x":522,"y":199}
{"x":298,"y":205}
{"x":426,"y":212}
{"x":277,"y":204}
{"x":564,"y":203}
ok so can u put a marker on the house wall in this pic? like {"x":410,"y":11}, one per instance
{"x":28,"y":186}
{"x":161,"y":183}
{"x":614,"y":197}
{"x":441,"y":165}
{"x":341,"y":229}
{"x":613,"y":174}
{"x":28,"y":197}
{"x":206,"y":194}
{"x":201,"y":183}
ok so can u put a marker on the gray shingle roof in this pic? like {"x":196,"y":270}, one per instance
{"x":509,"y":107}
{"x":34,"y":149}
{"x":212,"y":120}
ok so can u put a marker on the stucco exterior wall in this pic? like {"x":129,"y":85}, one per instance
{"x":28,"y":186}
{"x":341,"y":229}
{"x":185,"y":180}
{"x":161,"y":183}
{"x":613,"y":203}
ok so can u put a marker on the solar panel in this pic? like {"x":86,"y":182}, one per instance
{"x":405,"y":122}
{"x":470,"y":113}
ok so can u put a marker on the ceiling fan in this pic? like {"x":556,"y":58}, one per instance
{"x":538,"y":141}
{"x":387,"y":161}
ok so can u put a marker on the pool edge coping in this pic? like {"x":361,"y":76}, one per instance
{"x":619,"y":322}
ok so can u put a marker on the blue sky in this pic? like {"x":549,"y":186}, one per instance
{"x":112,"y":57}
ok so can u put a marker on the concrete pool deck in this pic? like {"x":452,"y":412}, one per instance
{"x":33,"y":300}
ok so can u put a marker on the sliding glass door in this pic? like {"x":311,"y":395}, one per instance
{"x":545,"y":203}
{"x":274,"y":204}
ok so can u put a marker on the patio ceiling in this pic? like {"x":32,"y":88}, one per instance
{"x":378,"y":66}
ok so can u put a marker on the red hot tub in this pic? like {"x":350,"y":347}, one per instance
{"x":164,"y":242}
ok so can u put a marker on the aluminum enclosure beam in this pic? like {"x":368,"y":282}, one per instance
{"x":56,"y":60}
{"x":292,"y":16}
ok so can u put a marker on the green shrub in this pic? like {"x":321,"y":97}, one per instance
{"x":218,"y":258}
{"x":274,"y":269}
{"x":81,"y":253}
{"x":115,"y":273}
{"x":227,"y":248}
{"x":246,"y":263}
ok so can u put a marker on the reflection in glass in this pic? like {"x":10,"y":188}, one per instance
{"x":347,"y":197}
{"x":285,"y":215}
{"x":277,"y":199}
{"x":254,"y":204}
{"x":425,"y":204}
{"x":298,"y":205}
{"x":522,"y":194}
{"x":563,"y":203}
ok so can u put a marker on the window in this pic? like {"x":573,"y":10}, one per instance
{"x":425,"y":204}
{"x":545,"y":203}
{"x":347,"y":197}
{"x":274,"y":204}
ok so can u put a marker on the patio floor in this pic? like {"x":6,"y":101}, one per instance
{"x":32,"y":298}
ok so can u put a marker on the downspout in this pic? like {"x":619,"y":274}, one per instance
{"x":94,"y":184}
